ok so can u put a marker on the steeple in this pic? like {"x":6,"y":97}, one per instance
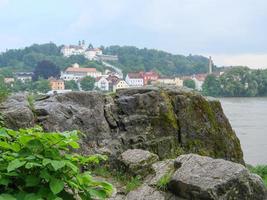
{"x":210,"y":65}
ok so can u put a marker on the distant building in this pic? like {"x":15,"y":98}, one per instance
{"x":176,"y":81}
{"x":199,"y":80}
{"x":24,"y":76}
{"x":76,"y":73}
{"x":120,"y":84}
{"x":88,"y":52}
{"x":56,"y":84}
{"x":9,"y":80}
{"x":112,"y":80}
{"x":149,"y":76}
{"x":102,"y":83}
{"x":134,"y":80}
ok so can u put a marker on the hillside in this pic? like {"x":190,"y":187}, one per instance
{"x":135,"y":59}
{"x":130,"y":59}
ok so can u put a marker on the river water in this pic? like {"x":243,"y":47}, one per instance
{"x":248,"y":117}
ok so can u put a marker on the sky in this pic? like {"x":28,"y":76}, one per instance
{"x":233,"y":32}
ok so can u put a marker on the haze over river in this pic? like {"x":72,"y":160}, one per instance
{"x":248,"y":117}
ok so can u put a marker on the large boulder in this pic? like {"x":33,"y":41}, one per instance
{"x":205,"y":178}
{"x":166,"y":121}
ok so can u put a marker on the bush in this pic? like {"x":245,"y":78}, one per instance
{"x":261,"y":170}
{"x":35,"y":165}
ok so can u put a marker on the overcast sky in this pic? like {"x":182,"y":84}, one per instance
{"x":233,"y":32}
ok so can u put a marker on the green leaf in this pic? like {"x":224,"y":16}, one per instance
{"x":32,"y":181}
{"x":4,"y":181}
{"x":57,"y":164}
{"x":7,"y":197}
{"x":33,"y":196}
{"x":45,"y":175}
{"x":56,"y":185}
{"x":31,"y":165}
{"x":15,"y":164}
{"x":74,"y":145}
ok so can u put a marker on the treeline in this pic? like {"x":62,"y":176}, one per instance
{"x":135,"y":59}
{"x":26,"y":59}
{"x":237,"y":82}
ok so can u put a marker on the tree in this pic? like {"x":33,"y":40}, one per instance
{"x":88,"y":83}
{"x":211,"y":86}
{"x":46,"y":69}
{"x":3,"y":89}
{"x":42,"y":85}
{"x":189,"y":83}
{"x":71,"y":85}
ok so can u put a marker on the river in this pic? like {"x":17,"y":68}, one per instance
{"x":248,"y":117}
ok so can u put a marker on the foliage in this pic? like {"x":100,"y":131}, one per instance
{"x":237,"y":82}
{"x":42,"y":85}
{"x":88,"y":83}
{"x":71,"y":85}
{"x":189,"y":83}
{"x":261,"y":170}
{"x":135,"y":59}
{"x":211,"y":86}
{"x":122,"y":178}
{"x":162,"y":184}
{"x":3,"y":90}
{"x":46,"y":69}
{"x":38,"y":165}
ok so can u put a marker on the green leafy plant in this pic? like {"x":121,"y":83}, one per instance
{"x":35,"y":165}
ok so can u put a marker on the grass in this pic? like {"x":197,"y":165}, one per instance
{"x":129,"y":182}
{"x":261,"y":170}
{"x":162,"y":184}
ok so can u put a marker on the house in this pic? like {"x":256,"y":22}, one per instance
{"x":134,"y":80}
{"x":9,"y":80}
{"x":169,"y":81}
{"x":199,"y":80}
{"x":56,"y":84}
{"x":112,"y":80}
{"x":102,"y":83}
{"x":120,"y":84}
{"x":149,"y":76}
{"x":92,"y":53}
{"x":75,"y":72}
{"x":24,"y":76}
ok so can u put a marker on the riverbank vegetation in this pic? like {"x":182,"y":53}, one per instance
{"x":261,"y":170}
{"x":237,"y":82}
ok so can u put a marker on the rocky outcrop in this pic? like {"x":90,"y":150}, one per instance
{"x":167,"y":122}
{"x":201,"y":177}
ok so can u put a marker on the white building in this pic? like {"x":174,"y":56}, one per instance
{"x":120,"y":84}
{"x":134,"y":80}
{"x":170,"y":81}
{"x":76,"y":73}
{"x":102,"y":83}
{"x":24,"y":76}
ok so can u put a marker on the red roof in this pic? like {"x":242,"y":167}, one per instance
{"x":74,"y":69}
{"x":135,"y":75}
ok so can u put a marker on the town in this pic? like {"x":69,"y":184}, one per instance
{"x":111,"y":79}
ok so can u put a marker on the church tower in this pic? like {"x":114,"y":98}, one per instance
{"x":210,"y":65}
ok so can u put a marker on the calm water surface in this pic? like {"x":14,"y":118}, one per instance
{"x":248,"y":117}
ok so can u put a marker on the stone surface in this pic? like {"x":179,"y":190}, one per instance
{"x":145,"y":192}
{"x":201,"y":177}
{"x":160,"y":169}
{"x":166,"y":121}
{"x":138,"y":161}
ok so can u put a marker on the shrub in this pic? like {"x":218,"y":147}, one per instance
{"x":261,"y":170}
{"x":35,"y":165}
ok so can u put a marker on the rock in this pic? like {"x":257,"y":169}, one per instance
{"x":145,"y":192}
{"x":138,"y":161}
{"x":201,"y":177}
{"x":161,"y":169}
{"x":17,"y":112}
{"x":165,"y":121}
